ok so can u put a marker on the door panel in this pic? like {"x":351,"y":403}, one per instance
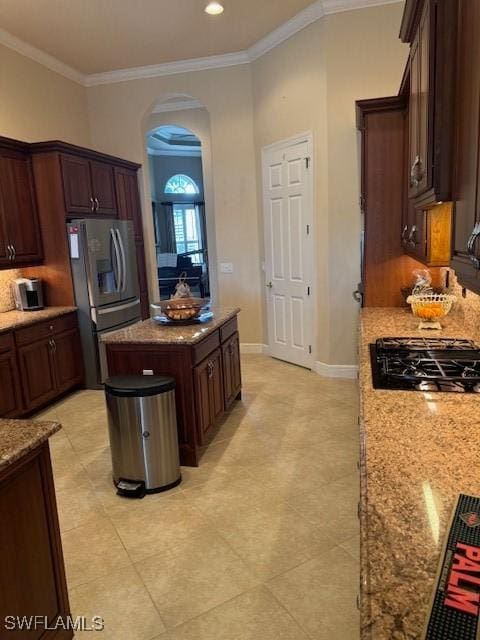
{"x":37,"y":372}
{"x":77,"y":184}
{"x":103,"y":188}
{"x":10,"y":394}
{"x":68,"y":359}
{"x":103,"y":259}
{"x":288,"y":210}
{"x":21,"y":227}
{"x":202,"y":400}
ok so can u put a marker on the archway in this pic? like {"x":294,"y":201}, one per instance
{"x":177,"y":149}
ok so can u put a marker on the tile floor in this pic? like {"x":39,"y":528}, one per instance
{"x":260,"y":542}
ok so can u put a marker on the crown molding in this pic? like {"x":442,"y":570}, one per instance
{"x":307,"y":16}
{"x":168,"y":68}
{"x":177,"y":105}
{"x":37,"y":55}
{"x":339,"y":6}
{"x":303,"y":19}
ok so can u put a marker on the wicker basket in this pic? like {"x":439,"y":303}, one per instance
{"x":430,"y":308}
{"x":181,"y":309}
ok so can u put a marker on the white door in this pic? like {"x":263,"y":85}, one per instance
{"x":288,"y":213}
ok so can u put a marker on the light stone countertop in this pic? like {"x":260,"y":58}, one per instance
{"x":18,"y":437}
{"x":150,"y":332}
{"x":10,"y":320}
{"x":418,"y":451}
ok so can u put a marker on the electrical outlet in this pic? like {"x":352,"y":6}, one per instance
{"x":147,"y":372}
{"x":226,"y":267}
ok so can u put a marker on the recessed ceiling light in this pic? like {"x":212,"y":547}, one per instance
{"x":214,"y":8}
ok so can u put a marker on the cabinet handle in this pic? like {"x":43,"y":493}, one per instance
{"x":210,"y":368}
{"x":10,"y":253}
{"x":404,"y":235}
{"x":412,"y":236}
{"x":415,"y":172}
{"x":97,"y":204}
{"x":54,"y":345}
{"x":14,"y":253}
{"x":92,"y":205}
{"x":471,"y":244}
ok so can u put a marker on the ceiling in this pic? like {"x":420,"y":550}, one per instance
{"x":171,"y":140}
{"x":94,"y":36}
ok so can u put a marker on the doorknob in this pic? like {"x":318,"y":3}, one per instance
{"x":269,"y":285}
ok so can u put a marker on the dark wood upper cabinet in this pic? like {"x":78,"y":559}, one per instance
{"x":466,"y":241}
{"x":89,"y":186}
{"x":103,"y":188}
{"x":128,"y":201}
{"x":429,"y":25}
{"x":20,"y":242}
{"x":77,"y":185}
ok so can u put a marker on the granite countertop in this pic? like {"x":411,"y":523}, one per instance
{"x":18,"y":437}
{"x":150,"y":332}
{"x":419,"y":451}
{"x":10,"y":320}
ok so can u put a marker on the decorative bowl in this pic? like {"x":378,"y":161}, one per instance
{"x":180,"y":309}
{"x":430,"y":308}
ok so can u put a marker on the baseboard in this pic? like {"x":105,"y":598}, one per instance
{"x":349,"y":371}
{"x":248,"y":347}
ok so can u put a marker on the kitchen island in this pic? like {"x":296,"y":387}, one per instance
{"x":203,"y":358}
{"x":418,"y":452}
{"x":32,"y":580}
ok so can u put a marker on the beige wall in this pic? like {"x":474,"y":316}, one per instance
{"x":118,"y":115}
{"x":310,"y":83}
{"x":39,"y":104}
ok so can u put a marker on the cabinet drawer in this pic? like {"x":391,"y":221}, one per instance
{"x":6,"y":342}
{"x":45,"y":329}
{"x":228,"y":329}
{"x":205,"y":347}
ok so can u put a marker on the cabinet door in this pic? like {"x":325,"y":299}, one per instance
{"x":10,"y":394}
{"x":466,"y":187}
{"x":19,"y":212}
{"x":201,"y":377}
{"x":217,"y":401}
{"x":128,"y":200}
{"x":103,"y":188}
{"x":424,"y":118}
{"x":77,"y":185}
{"x":231,"y":370}
{"x":68,"y":359}
{"x":37,"y":369}
{"x":413,"y":110}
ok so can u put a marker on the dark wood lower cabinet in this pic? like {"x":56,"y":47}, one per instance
{"x":67,"y":354}
{"x":209,"y":399}
{"x":10,"y":394}
{"x":232,"y":380}
{"x":207,"y":375}
{"x":32,"y":579}
{"x":37,"y":369}
{"x":38,"y":363}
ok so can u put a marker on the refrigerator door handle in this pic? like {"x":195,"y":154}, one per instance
{"x":124,"y":261}
{"x":117,"y":267}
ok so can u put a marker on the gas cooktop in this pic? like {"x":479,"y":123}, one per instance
{"x":426,"y":364}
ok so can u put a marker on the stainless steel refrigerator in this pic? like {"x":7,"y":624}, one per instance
{"x":104,"y":269}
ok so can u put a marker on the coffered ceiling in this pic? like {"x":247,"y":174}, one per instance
{"x":94,"y":36}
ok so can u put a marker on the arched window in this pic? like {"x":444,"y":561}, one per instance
{"x":181,"y":184}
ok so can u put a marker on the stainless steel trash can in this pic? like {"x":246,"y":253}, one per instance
{"x":142,"y":427}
